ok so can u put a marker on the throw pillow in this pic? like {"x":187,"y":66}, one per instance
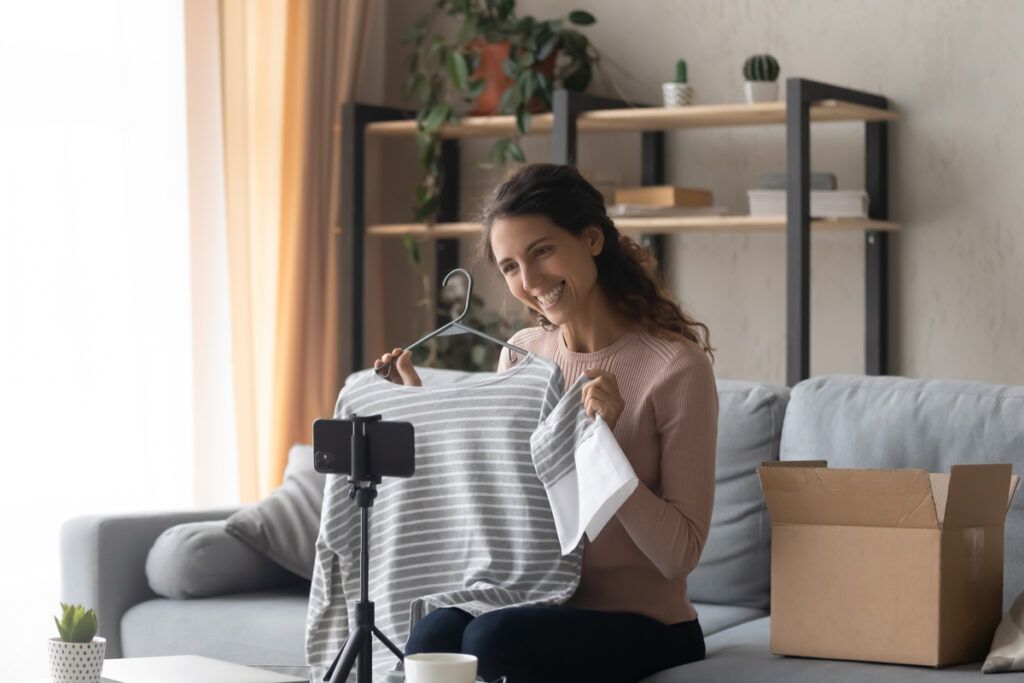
{"x":284,"y":525}
{"x":200,"y":559}
{"x":1007,"y":652}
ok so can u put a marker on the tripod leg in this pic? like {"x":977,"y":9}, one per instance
{"x":391,"y":646}
{"x":334,"y":664}
{"x":338,"y":673}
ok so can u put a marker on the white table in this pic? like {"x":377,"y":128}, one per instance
{"x":185,"y":669}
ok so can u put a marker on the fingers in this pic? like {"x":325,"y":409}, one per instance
{"x":406,"y":369}
{"x":400,"y":370}
{"x":592,"y":406}
{"x":387,"y":360}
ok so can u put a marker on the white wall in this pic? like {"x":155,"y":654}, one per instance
{"x":952,"y":70}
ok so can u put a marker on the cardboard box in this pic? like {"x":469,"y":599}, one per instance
{"x":663,"y":195}
{"x":898,"y":566}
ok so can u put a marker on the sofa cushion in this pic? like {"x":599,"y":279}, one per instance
{"x":715,"y":618}
{"x":741,"y":653}
{"x":894,"y":422}
{"x":198,"y":559}
{"x":257,"y":629}
{"x":284,"y":525}
{"x":735,"y":567}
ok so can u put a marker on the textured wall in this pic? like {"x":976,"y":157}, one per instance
{"x":952,"y":70}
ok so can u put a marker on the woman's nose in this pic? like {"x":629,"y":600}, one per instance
{"x":527,"y":277}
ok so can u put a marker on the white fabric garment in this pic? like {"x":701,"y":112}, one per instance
{"x":589,"y":476}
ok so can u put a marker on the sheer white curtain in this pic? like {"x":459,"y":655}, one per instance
{"x":96,"y":337}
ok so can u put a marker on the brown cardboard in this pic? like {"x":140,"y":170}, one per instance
{"x":663,"y":195}
{"x":898,"y":566}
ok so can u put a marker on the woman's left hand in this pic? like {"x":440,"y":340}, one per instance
{"x":601,"y":396}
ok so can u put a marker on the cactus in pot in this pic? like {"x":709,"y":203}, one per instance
{"x":678,"y":93}
{"x":76,"y":656}
{"x":761,"y":72}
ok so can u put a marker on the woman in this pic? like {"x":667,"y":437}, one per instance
{"x":601,"y":312}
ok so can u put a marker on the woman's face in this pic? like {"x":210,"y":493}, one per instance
{"x":547,"y":268}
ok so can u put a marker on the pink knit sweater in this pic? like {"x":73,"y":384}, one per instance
{"x":668,"y":430}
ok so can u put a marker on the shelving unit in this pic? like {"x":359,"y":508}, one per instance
{"x":572,"y":113}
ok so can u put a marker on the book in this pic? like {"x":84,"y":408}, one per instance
{"x":663,"y":195}
{"x":778,"y":181}
{"x":650,"y":210}
{"x":824,"y":203}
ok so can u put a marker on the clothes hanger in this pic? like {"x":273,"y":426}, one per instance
{"x":454,"y":326}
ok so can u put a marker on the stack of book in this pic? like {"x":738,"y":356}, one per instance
{"x":663,"y":200}
{"x":826,"y":200}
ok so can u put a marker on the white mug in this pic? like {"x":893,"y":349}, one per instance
{"x":440,"y":667}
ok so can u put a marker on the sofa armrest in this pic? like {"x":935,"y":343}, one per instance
{"x":103,"y":562}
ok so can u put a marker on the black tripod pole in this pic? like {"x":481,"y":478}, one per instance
{"x":360,"y":639}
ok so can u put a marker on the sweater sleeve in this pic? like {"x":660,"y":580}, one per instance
{"x":670,"y":524}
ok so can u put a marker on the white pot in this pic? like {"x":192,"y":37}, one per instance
{"x":762,"y":91}
{"x":677,"y":94}
{"x":76,"y":662}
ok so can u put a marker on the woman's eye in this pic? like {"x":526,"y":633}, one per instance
{"x":542,"y":251}
{"x":509,"y":268}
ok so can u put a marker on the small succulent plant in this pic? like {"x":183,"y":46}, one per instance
{"x":76,"y":625}
{"x":681,"y":71}
{"x":761,"y":68}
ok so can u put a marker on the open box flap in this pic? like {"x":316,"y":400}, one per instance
{"x":812,"y":495}
{"x":975,"y":495}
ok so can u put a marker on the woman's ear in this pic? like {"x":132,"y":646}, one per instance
{"x":595,"y":239}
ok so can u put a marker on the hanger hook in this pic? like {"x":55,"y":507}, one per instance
{"x":469,"y":289}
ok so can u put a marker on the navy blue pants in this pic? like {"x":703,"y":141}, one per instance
{"x":559,"y":644}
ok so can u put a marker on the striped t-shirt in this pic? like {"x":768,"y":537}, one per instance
{"x":472,"y":529}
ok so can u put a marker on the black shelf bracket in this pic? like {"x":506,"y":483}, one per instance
{"x":801,"y":93}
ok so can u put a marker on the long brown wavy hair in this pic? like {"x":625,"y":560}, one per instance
{"x":627,"y":272}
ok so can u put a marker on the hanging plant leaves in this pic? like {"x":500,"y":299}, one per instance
{"x":458,"y":70}
{"x":522,"y":121}
{"x":581,"y":18}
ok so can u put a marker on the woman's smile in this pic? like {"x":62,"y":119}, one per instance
{"x":550,"y":299}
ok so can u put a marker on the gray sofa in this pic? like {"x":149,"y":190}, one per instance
{"x":851,"y":421}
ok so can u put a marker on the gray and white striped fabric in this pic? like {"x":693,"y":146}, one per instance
{"x":472,"y":529}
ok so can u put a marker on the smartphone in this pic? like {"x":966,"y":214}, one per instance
{"x":391,"y":448}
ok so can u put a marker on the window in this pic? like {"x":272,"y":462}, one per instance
{"x":96,"y":397}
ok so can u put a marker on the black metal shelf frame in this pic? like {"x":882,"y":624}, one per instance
{"x":567,"y":105}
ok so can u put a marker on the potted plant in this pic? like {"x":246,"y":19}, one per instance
{"x":761,"y":72}
{"x":496,"y":62}
{"x":76,"y":656}
{"x":678,"y":93}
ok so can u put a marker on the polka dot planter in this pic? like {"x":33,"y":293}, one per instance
{"x":76,"y":662}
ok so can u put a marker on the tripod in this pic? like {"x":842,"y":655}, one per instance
{"x":360,"y":639}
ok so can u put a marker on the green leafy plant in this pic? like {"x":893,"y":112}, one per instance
{"x":681,"y":71}
{"x":761,"y":68}
{"x":443,"y":76}
{"x":76,"y":625}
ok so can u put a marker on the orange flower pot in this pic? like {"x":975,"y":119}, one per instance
{"x":491,"y":57}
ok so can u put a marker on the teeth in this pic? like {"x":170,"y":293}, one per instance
{"x":552,"y":296}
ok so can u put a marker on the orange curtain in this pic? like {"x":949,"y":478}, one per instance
{"x":286,"y":66}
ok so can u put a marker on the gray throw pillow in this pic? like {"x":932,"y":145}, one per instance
{"x":285,"y":524}
{"x":200,"y":559}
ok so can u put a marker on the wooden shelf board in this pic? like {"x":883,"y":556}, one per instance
{"x":659,"y":225}
{"x":647,"y":118}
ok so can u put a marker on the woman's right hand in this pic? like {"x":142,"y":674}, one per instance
{"x":402,"y":370}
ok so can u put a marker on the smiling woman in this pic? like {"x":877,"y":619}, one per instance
{"x":602,"y":314}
